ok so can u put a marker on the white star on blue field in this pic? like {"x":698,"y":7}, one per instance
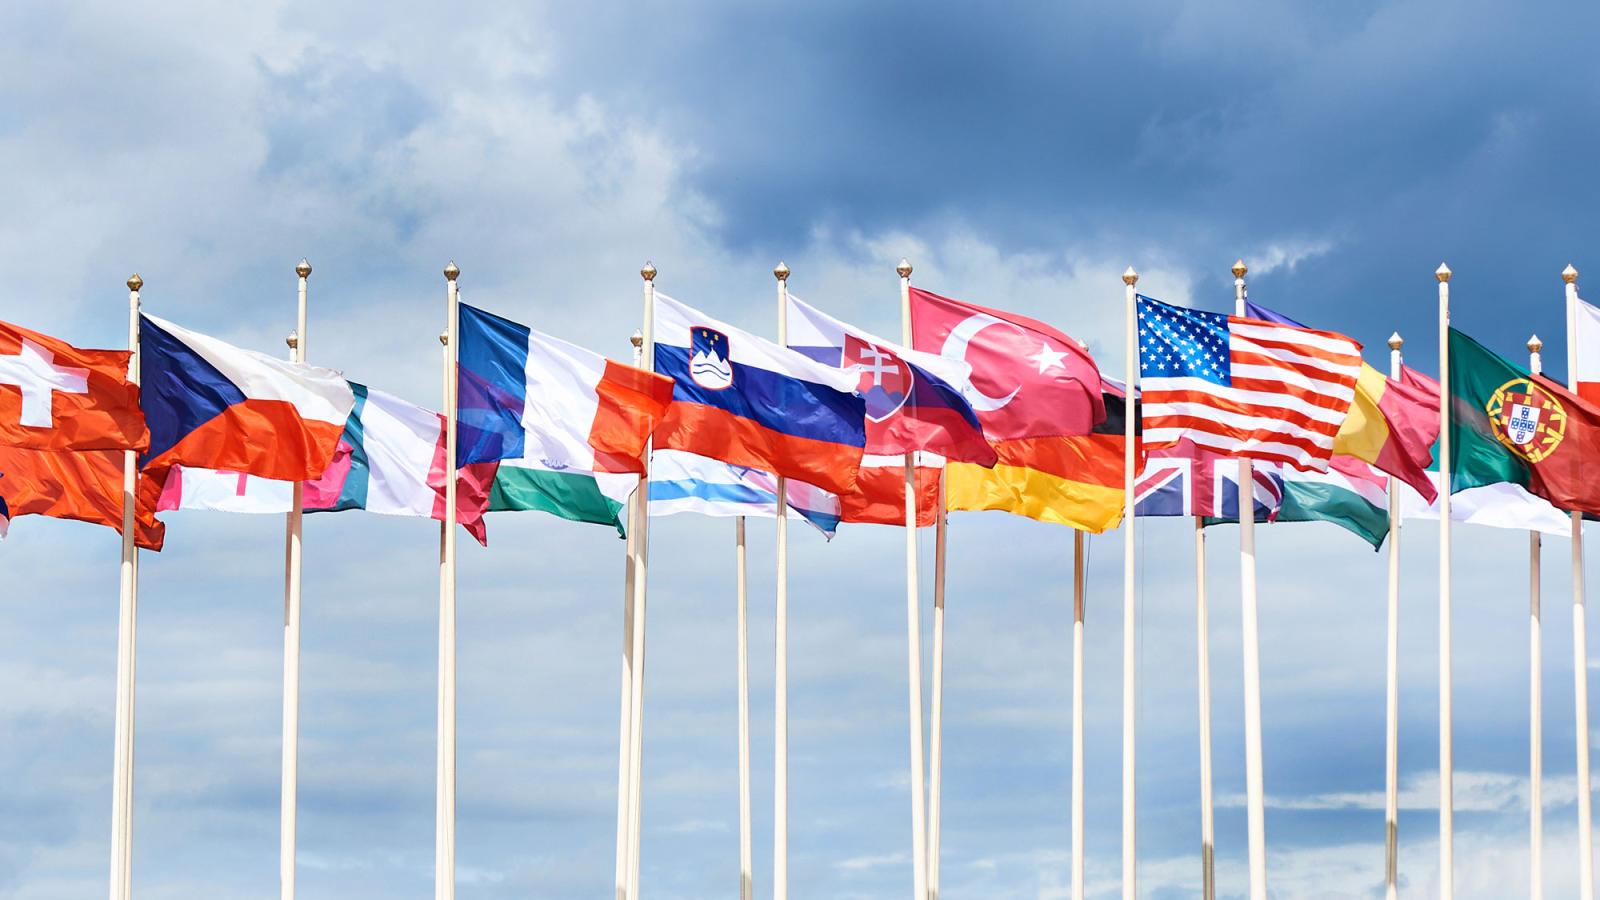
{"x":1020,"y":158}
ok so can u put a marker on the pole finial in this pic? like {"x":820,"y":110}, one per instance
{"x":637,"y":338}
{"x":303,"y":268}
{"x":135,"y":282}
{"x":1239,"y":268}
{"x":780,"y":271}
{"x":1534,"y":344}
{"x":1130,"y":277}
{"x":293,"y":340}
{"x":451,"y":273}
{"x":1569,"y":274}
{"x":1396,"y":341}
{"x":904,"y":268}
{"x":648,"y":273}
{"x":1442,"y":273}
{"x":444,"y":338}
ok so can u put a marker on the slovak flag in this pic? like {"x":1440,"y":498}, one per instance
{"x":752,"y":403}
{"x":211,"y":405}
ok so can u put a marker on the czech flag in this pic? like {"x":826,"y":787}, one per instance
{"x":211,"y":405}
{"x":752,"y":403}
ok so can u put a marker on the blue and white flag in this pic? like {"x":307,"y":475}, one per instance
{"x":685,"y":483}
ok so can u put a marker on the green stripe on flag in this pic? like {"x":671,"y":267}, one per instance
{"x":570,"y":495}
{"x":1323,"y":501}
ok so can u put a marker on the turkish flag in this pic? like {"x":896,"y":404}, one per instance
{"x":54,"y":396}
{"x":86,"y":486}
{"x":1028,"y":379}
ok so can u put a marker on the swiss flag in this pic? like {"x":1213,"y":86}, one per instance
{"x":86,"y":486}
{"x":1028,"y":379}
{"x":54,"y":396}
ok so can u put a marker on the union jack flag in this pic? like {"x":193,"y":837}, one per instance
{"x":1243,"y":387}
{"x":1187,"y":480}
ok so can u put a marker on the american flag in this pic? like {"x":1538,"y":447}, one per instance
{"x":1243,"y":387}
{"x":1186,"y":480}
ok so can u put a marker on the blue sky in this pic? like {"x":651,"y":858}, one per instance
{"x":1021,"y":157}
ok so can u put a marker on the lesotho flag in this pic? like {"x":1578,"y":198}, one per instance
{"x":755,"y":404}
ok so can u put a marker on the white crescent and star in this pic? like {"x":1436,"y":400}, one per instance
{"x":955,"y":347}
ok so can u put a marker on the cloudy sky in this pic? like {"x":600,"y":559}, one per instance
{"x":1021,"y":156}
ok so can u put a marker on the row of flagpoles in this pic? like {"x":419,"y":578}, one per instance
{"x":925,"y":772}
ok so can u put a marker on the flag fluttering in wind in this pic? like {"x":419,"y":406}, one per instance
{"x":1585,"y":360}
{"x":1510,"y":426}
{"x":1393,"y":423}
{"x":685,"y":483}
{"x":752,"y":403}
{"x":1352,"y":494}
{"x":85,"y":486}
{"x":54,"y":396}
{"x":1501,"y":505}
{"x":1190,"y":480}
{"x":214,"y":406}
{"x":1243,"y":387}
{"x":566,"y":427}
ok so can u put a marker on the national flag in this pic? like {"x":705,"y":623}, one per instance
{"x":1584,"y":363}
{"x":752,"y":403}
{"x":1073,"y":481}
{"x":1190,"y":480}
{"x":1352,"y":494}
{"x":85,"y":486}
{"x":685,"y":483}
{"x":566,"y":427}
{"x":1500,"y":505}
{"x":913,"y":399}
{"x":1392,"y":424}
{"x":211,"y":405}
{"x":880,"y":494}
{"x":1243,"y":387}
{"x":1508,"y":425}
{"x":54,"y":396}
{"x":1028,"y":379}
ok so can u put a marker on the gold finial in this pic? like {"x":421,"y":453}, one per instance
{"x":444,"y":338}
{"x":1569,"y":274}
{"x":648,"y":273}
{"x":303,"y":269}
{"x":780,"y":271}
{"x":637,"y":338}
{"x":1239,"y":268}
{"x":1442,"y":273}
{"x":293,"y":340}
{"x":451,"y":273}
{"x":904,"y":268}
{"x":1130,"y":277}
{"x":1396,"y":341}
{"x":1534,"y":344}
{"x":135,"y":282}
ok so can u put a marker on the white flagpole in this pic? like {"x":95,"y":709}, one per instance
{"x":919,"y":820}
{"x":444,"y":858}
{"x":1130,"y":852}
{"x":1580,"y":653}
{"x":624,"y":742}
{"x":1535,"y":692}
{"x":1208,"y":835}
{"x":288,"y":792}
{"x":746,"y":868}
{"x":1446,"y":751}
{"x":780,"y":639}
{"x":1391,"y":736}
{"x":127,"y":642}
{"x":936,"y":693}
{"x":1078,"y":576}
{"x":641,"y":589}
{"x":1255,"y":791}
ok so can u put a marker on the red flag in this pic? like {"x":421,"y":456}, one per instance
{"x":85,"y":486}
{"x":1028,"y":379}
{"x":54,"y":396}
{"x":880,"y":495}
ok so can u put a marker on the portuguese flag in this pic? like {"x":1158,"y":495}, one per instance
{"x":1509,"y":425}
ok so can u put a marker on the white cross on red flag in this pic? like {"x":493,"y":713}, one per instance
{"x":54,"y":396}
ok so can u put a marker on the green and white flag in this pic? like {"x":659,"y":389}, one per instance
{"x":1351,"y":494}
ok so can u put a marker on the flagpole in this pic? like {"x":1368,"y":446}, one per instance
{"x":936,"y":693}
{"x":780,"y":638}
{"x":1391,"y":733}
{"x":1208,"y":835}
{"x":1255,"y":792}
{"x":1580,"y":653}
{"x":746,"y":874}
{"x":127,"y":641}
{"x":1392,"y":678}
{"x":288,"y":793}
{"x":444,"y":858}
{"x":624,"y":742}
{"x":641,"y":527}
{"x":1130,"y":858}
{"x":1446,"y":751}
{"x":1078,"y":576}
{"x":919,"y":820}
{"x":1535,"y":692}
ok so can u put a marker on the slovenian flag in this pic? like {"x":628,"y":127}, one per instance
{"x":567,"y":427}
{"x":214,"y":406}
{"x":755,"y":404}
{"x":686,"y":483}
